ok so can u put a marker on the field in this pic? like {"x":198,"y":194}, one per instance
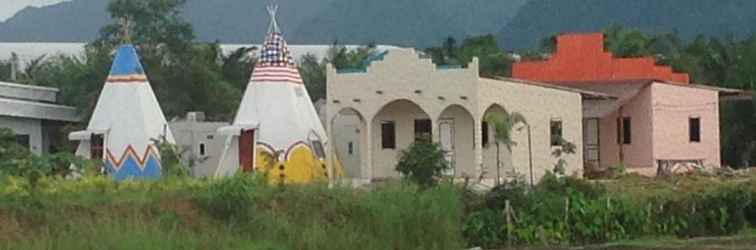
{"x":247,"y":213}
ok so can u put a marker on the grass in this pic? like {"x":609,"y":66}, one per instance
{"x":236,"y":213}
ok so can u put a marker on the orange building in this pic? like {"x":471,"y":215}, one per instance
{"x":582,"y":57}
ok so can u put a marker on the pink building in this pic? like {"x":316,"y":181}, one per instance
{"x":658,"y":118}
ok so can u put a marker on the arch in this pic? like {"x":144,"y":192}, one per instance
{"x":409,"y":123}
{"x":497,"y":157}
{"x":456,"y":133}
{"x":493,"y":108}
{"x":349,"y":141}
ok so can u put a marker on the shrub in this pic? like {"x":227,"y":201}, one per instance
{"x":231,"y":199}
{"x":423,"y":163}
{"x":483,"y":228}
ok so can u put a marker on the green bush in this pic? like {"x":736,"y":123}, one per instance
{"x":231,"y":199}
{"x":422,"y":163}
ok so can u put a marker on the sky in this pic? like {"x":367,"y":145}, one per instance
{"x":10,"y":7}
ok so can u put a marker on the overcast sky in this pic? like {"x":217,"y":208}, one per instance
{"x":10,"y":7}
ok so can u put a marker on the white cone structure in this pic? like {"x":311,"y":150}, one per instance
{"x":126,"y":123}
{"x":276,"y":129}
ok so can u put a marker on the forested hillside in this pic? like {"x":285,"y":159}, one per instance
{"x":541,"y":18}
{"x":411,"y":23}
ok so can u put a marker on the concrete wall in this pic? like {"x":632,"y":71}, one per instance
{"x":672,"y":107}
{"x":403,"y":114}
{"x":403,"y":87}
{"x":189,"y":135}
{"x":637,"y":154}
{"x":539,"y":105}
{"x":24,"y":126}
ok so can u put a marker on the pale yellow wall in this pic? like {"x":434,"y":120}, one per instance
{"x":402,"y":75}
{"x":539,"y":105}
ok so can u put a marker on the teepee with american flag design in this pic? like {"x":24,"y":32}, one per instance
{"x":276,"y":130}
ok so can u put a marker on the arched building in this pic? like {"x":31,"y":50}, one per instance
{"x":375,"y":113}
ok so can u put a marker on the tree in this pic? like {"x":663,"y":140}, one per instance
{"x":493,"y":60}
{"x":314,"y":76}
{"x":503,"y":124}
{"x":155,"y":24}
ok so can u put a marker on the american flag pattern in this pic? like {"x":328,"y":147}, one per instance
{"x":275,"y":63}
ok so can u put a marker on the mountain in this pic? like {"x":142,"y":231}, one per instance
{"x":419,"y":23}
{"x":538,"y":19}
{"x":404,"y":22}
{"x":231,"y":21}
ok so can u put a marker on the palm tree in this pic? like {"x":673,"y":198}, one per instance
{"x":503,"y":124}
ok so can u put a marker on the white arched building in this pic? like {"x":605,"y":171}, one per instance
{"x":373,"y":114}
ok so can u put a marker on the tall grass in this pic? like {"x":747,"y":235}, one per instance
{"x":235,"y":213}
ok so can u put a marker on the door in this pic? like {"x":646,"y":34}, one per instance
{"x":348,"y":149}
{"x":446,"y":137}
{"x":247,"y":151}
{"x":591,"y":145}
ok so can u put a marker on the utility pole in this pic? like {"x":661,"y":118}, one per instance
{"x":13,"y":67}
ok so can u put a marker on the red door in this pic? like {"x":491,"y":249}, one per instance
{"x":96,"y":147}
{"x":247,"y":151}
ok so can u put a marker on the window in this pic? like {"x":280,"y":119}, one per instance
{"x":624,"y":131}
{"x":317,"y":146}
{"x":202,"y":150}
{"x":423,"y":130}
{"x":350,"y":148}
{"x":22,"y":140}
{"x":484,"y":133}
{"x":556,"y":132}
{"x":694,"y":127}
{"x":388,"y":135}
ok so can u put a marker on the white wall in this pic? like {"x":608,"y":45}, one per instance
{"x":31,"y":127}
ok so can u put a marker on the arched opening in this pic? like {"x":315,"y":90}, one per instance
{"x":395,"y":127}
{"x":349,"y":139}
{"x":456,"y":133}
{"x":498,"y":147}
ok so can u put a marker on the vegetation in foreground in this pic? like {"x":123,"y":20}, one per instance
{"x":236,"y":213}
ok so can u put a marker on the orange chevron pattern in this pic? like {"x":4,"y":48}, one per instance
{"x":151,"y":149}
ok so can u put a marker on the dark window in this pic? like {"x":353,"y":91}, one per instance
{"x":350,"y":148}
{"x":423,"y":131}
{"x":22,"y":140}
{"x":202,"y":149}
{"x":624,"y":131}
{"x":484,"y":133}
{"x":388,"y":135}
{"x":318,"y":147}
{"x":556,"y":133}
{"x":694,"y":125}
{"x":96,"y":146}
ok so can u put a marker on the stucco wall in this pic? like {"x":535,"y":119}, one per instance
{"x":672,"y":107}
{"x":403,"y":114}
{"x":426,"y":91}
{"x":189,"y":135}
{"x":637,"y":154}
{"x":539,"y":105}
{"x":401,"y":75}
{"x":23,"y":126}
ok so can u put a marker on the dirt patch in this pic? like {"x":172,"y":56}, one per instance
{"x":10,"y":229}
{"x":184,"y":209}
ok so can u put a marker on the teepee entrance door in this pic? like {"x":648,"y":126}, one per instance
{"x":247,"y":150}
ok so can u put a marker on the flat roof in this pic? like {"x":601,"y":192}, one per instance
{"x":605,"y":86}
{"x":585,"y":93}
